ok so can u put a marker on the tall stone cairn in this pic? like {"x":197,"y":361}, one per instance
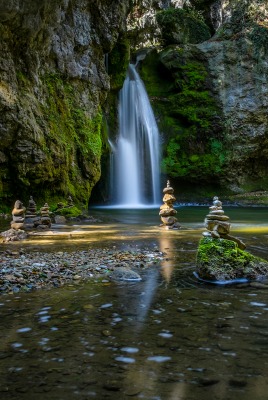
{"x":18,"y":215}
{"x":44,"y":221}
{"x":45,"y":216}
{"x":167,"y":211}
{"x":218,"y":225}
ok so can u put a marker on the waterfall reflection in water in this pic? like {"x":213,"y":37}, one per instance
{"x":167,"y":337}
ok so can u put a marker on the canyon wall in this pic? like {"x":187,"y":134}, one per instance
{"x":53,"y":85}
{"x":210,"y":93}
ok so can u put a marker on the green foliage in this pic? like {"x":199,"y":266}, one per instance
{"x":69,"y":122}
{"x":69,"y":212}
{"x":179,"y":163}
{"x":194,"y":148}
{"x":182,"y":26}
{"x":23,"y":80}
{"x":73,"y":141}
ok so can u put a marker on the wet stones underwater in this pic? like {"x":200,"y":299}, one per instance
{"x":220,"y":256}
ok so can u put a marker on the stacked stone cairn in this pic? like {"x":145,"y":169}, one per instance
{"x":31,"y":210}
{"x":18,"y":216}
{"x":31,"y":215}
{"x":70,"y":202}
{"x":218,"y":225}
{"x":44,"y":222}
{"x":167,"y":212}
{"x":60,"y":206}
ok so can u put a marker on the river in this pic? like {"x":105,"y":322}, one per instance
{"x":167,"y":337}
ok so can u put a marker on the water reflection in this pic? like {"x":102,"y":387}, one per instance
{"x":167,"y":337}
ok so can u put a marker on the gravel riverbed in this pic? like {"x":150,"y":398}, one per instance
{"x":27,"y":271}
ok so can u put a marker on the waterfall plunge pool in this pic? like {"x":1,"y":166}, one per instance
{"x":166,"y":337}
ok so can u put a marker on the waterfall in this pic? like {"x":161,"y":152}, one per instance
{"x":136,"y":178}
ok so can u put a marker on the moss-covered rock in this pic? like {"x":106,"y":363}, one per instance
{"x":222,"y":260}
{"x":118,"y":60}
{"x":181,"y":26}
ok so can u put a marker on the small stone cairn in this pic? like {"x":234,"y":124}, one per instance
{"x":31,"y":210}
{"x":44,"y":221}
{"x":31,"y":215}
{"x":70,"y":202}
{"x":18,"y":216}
{"x":167,"y":211}
{"x":218,"y":225}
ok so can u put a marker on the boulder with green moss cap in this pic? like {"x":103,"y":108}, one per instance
{"x":221,"y":260}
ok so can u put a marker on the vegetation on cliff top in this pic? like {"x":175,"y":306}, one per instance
{"x":181,"y":26}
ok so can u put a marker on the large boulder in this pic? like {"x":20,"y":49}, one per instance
{"x":222,"y":260}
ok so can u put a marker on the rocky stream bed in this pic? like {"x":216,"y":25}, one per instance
{"x":27,"y":271}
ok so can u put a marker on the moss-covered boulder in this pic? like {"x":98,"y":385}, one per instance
{"x":222,"y":260}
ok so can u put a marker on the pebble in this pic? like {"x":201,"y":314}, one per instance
{"x":21,"y":271}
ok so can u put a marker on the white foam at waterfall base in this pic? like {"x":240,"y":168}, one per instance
{"x":135,"y":181}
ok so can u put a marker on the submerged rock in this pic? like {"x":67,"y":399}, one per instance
{"x":125,"y":274}
{"x":222,"y":260}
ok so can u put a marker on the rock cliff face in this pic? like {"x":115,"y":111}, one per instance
{"x":53,"y":84}
{"x":231,"y":151}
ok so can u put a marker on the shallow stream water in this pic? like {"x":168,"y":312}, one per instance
{"x":168,"y":337}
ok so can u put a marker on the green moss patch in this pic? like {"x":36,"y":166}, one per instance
{"x":69,"y":212}
{"x":73,"y":141}
{"x":222,"y":260}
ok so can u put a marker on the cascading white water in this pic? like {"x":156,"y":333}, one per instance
{"x":136,"y":180}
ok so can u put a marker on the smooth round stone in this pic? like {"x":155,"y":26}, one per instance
{"x":165,"y":212}
{"x":168,"y":190}
{"x":217,"y":212}
{"x":169,"y":198}
{"x":218,"y":217}
{"x":17,"y":225}
{"x":18,"y":211}
{"x":18,"y":219}
{"x":221,"y":227}
{"x":125,"y":274}
{"x":168,"y":220}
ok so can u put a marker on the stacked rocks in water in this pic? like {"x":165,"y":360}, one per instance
{"x":45,"y":221}
{"x":31,"y":215}
{"x":167,"y":211}
{"x":31,"y":210}
{"x":217,"y":224}
{"x":18,"y":216}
